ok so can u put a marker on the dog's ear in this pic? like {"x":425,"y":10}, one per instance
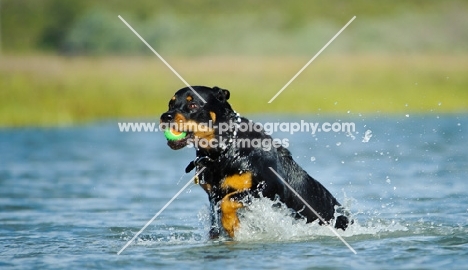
{"x":221,"y":94}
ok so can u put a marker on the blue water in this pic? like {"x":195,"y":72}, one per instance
{"x":71,"y":197}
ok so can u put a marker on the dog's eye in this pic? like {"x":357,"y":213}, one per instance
{"x":192,"y":106}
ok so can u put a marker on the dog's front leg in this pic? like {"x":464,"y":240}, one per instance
{"x":229,"y":205}
{"x":214,"y":218}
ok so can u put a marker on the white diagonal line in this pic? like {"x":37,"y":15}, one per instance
{"x":160,"y":57}
{"x":310,"y":61}
{"x":160,"y":211}
{"x":315,"y":212}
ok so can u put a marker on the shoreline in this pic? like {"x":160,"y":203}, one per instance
{"x":46,"y":90}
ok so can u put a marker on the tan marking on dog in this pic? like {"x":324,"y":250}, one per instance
{"x":179,"y":122}
{"x":213,"y":116}
{"x":238,"y":181}
{"x":189,"y":98}
{"x":201,"y":131}
{"x":179,"y":118}
{"x":229,"y":218}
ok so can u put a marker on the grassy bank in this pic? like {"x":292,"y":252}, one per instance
{"x":50,"y":90}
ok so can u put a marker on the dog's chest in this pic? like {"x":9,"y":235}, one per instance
{"x":227,"y":174}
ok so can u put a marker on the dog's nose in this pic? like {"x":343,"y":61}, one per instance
{"x":166,"y":117}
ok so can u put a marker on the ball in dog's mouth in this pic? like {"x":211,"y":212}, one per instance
{"x":174,"y":135}
{"x":175,"y":139}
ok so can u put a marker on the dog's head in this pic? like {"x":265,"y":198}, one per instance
{"x":196,"y":112}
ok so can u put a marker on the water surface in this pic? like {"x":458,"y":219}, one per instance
{"x":71,"y":197}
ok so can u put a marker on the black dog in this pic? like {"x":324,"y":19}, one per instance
{"x":235,"y":172}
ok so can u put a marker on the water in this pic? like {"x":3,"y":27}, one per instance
{"x":71,"y":197}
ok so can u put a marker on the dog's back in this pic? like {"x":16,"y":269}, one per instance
{"x":312,"y":191}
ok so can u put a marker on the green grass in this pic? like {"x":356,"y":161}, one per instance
{"x":52,"y":90}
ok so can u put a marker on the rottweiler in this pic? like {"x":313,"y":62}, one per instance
{"x":238,"y":166}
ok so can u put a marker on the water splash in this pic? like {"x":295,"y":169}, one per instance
{"x":266,"y":220}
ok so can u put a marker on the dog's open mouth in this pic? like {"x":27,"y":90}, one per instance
{"x":180,"y":134}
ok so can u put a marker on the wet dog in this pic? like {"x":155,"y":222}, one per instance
{"x":235,"y":168}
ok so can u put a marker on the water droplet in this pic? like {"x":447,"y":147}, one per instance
{"x":367,"y":136}
{"x":312,"y":159}
{"x":338,"y":143}
{"x":407,"y":115}
{"x":349,"y":134}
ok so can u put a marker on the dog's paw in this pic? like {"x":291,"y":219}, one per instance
{"x":214,"y":233}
